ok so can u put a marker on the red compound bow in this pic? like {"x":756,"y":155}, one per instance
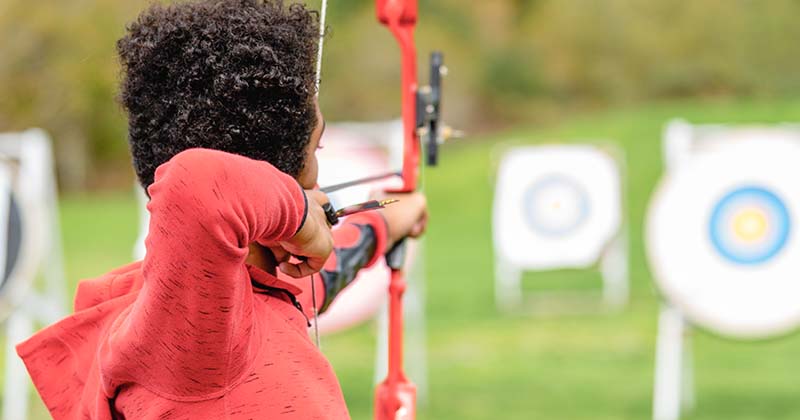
{"x":395,"y":397}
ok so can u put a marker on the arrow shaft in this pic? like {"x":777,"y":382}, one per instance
{"x":336,"y":187}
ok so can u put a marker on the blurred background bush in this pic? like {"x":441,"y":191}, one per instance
{"x":513,"y":61}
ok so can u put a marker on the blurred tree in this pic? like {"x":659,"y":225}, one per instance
{"x":58,"y":71}
{"x":511,"y":61}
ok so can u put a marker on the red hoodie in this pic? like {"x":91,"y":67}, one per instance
{"x":184,"y":334}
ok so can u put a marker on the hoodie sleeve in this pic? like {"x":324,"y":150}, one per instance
{"x":192,"y":332}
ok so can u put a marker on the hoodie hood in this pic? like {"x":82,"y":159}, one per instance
{"x":62,"y":358}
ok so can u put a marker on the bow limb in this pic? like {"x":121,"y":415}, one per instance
{"x":411,"y":156}
{"x":400,"y":17}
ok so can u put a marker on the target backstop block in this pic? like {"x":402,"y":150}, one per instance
{"x":557,"y":207}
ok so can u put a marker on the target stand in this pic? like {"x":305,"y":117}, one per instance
{"x":559,"y":207}
{"x":31,"y":249}
{"x":722,"y":243}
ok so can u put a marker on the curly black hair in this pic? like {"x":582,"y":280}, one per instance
{"x":230,"y":75}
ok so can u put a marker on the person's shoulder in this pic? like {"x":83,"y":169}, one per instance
{"x":116,"y":283}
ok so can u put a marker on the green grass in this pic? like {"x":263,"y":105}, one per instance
{"x":485,"y":365}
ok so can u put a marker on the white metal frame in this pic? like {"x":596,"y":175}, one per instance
{"x":31,"y":178}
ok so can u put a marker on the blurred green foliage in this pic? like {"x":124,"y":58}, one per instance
{"x":511,"y":61}
{"x":58,"y":71}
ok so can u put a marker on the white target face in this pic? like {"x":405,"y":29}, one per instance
{"x":556,"y":206}
{"x":721,"y":238}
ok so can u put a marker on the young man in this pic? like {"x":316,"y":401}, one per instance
{"x":213,"y":323}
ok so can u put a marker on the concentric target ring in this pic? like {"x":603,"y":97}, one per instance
{"x":555,"y":205}
{"x":750,"y":225}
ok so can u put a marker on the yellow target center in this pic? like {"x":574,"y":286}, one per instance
{"x":750,"y":225}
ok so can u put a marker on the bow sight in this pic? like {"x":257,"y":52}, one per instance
{"x":429,"y":106}
{"x":430,"y":129}
{"x":429,"y":111}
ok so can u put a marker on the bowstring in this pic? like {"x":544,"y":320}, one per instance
{"x":322,"y":17}
{"x":314,"y":308}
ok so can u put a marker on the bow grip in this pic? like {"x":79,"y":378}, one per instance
{"x":396,"y":256}
{"x":330,"y":214}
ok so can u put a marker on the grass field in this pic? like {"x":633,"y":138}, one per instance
{"x":484,"y":365}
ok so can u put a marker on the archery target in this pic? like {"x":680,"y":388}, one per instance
{"x":18,"y":258}
{"x":556,"y":206}
{"x":721,"y":238}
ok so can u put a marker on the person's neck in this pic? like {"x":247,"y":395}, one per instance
{"x":262,"y":258}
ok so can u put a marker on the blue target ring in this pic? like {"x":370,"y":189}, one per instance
{"x":555,"y":206}
{"x":749,"y":225}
